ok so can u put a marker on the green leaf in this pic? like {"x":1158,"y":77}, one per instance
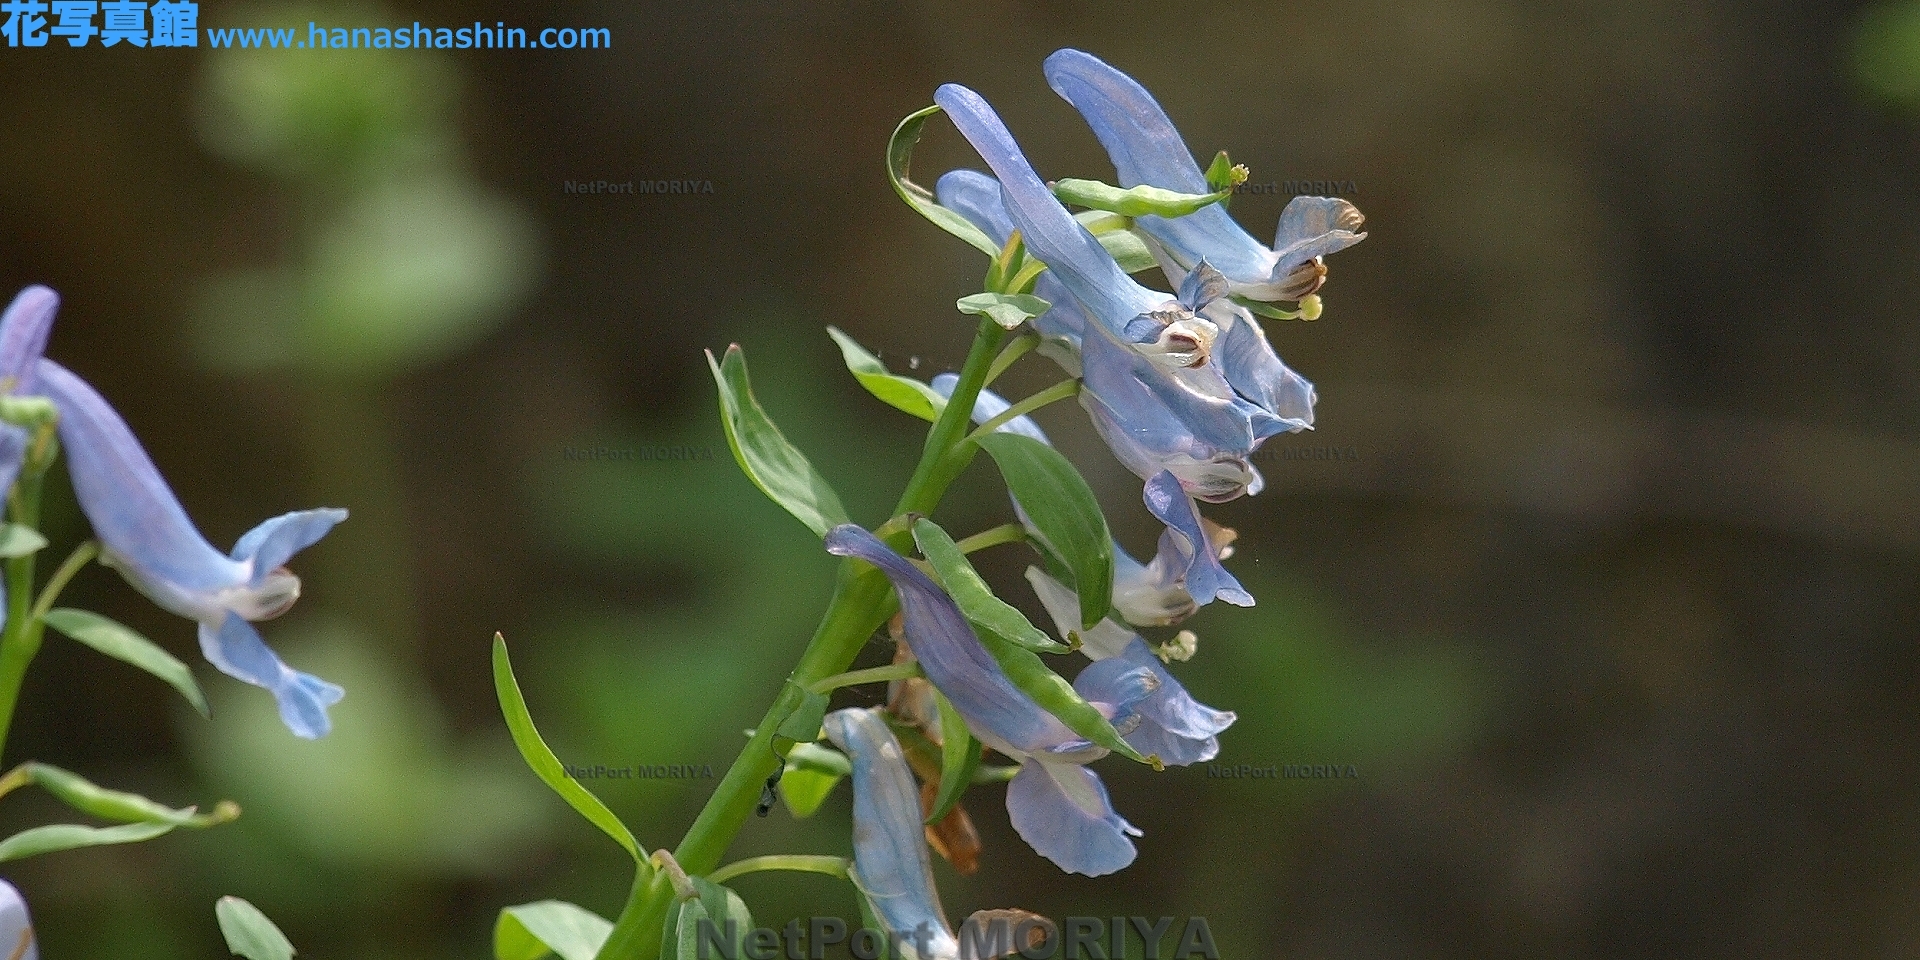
{"x":545,"y":765}
{"x":959,"y":756}
{"x":533,"y":930}
{"x":83,"y":795}
{"x":804,"y":790}
{"x":819,"y":759}
{"x":249,"y":933}
{"x":55,"y":837}
{"x":680,"y":939}
{"x":975,"y":599}
{"x":1064,"y":512}
{"x":775,"y":466}
{"x":803,"y":724}
{"x":900,"y":157}
{"x":1054,"y":694}
{"x":1006,"y":309}
{"x":122,"y":643}
{"x":901,"y":393}
{"x":1128,"y":250}
{"x":17,"y":540}
{"x":1141,"y":201}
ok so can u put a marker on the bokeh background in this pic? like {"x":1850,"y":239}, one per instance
{"x":1612,"y":607}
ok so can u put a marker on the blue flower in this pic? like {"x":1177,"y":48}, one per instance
{"x":891,"y":866}
{"x":1058,"y":807}
{"x":146,"y":535}
{"x":1146,"y":149}
{"x":17,"y":941}
{"x":1183,"y":574}
{"x":1153,"y":388}
{"x":1171,"y":723}
{"x":23,"y":338}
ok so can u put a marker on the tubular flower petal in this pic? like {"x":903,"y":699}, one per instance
{"x":1199,"y":543}
{"x":1146,"y":149}
{"x":1006,"y":719}
{"x":23,"y":338}
{"x":1168,"y":721}
{"x":17,"y":941}
{"x":146,"y":535}
{"x":889,"y":845}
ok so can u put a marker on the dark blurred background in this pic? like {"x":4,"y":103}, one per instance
{"x":1612,"y":607}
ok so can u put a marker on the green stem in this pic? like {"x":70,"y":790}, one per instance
{"x":1059,"y":391}
{"x":993,"y":537}
{"x":892,"y":671}
{"x":1020,"y":347}
{"x":78,"y":558}
{"x":862,"y":600}
{"x":796,"y":862}
{"x":20,"y":639}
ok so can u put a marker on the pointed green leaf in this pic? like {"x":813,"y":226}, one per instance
{"x":545,"y":765}
{"x":1141,"y":201}
{"x":1006,"y":309}
{"x":18,"y":541}
{"x":680,"y":938}
{"x":803,"y":724}
{"x":1120,"y":242}
{"x":959,"y":755}
{"x":1064,"y":513}
{"x":775,"y":466}
{"x":900,"y":157}
{"x":975,"y":599}
{"x":805,"y":790}
{"x":1053,"y":693}
{"x":83,"y":795}
{"x":901,"y":393}
{"x":55,"y":837}
{"x":715,"y":904}
{"x":249,"y":933}
{"x":533,"y":930}
{"x":122,"y":643}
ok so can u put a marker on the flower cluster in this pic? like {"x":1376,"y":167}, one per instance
{"x":1183,"y":388}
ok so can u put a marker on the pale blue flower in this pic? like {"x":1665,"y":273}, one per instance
{"x":17,"y":940}
{"x":23,"y":338}
{"x":1058,"y":807}
{"x":890,"y":861}
{"x":1147,"y":150}
{"x":146,"y":535}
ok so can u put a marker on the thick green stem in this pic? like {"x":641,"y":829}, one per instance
{"x":20,"y":640}
{"x":861,"y":602}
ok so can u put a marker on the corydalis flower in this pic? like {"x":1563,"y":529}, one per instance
{"x":146,"y":535}
{"x":1058,"y":806}
{"x":1185,"y":572}
{"x":891,"y":866}
{"x":1147,"y":150}
{"x":16,"y":927}
{"x":23,"y":338}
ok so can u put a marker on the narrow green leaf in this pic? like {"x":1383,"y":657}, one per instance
{"x":18,"y":541}
{"x":819,"y":759}
{"x":716,"y":904}
{"x":532,"y":930}
{"x":1141,"y":201}
{"x":1127,"y":249}
{"x":249,"y":933}
{"x":959,"y":755}
{"x":1064,"y":513}
{"x":901,"y":393}
{"x":545,"y":765}
{"x":803,"y":724}
{"x":1006,"y":309}
{"x":774,"y":465}
{"x":900,"y":157}
{"x":975,"y":599}
{"x":680,"y":938}
{"x":1054,"y":694}
{"x":804,"y":790}
{"x":55,"y":837}
{"x":122,"y":643}
{"x":83,"y":795}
